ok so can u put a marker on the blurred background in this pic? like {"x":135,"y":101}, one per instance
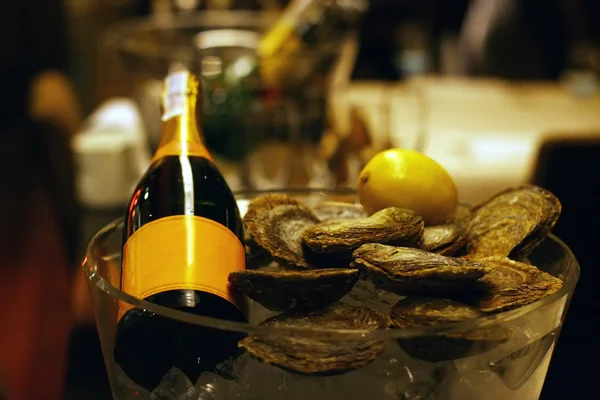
{"x":500,"y":92}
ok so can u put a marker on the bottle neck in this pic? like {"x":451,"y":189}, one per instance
{"x":181,"y":134}
{"x":283,"y":30}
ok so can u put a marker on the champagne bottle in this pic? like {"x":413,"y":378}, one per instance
{"x":304,"y":36}
{"x":183,"y":235}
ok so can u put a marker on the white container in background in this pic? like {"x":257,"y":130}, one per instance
{"x":111,"y":154}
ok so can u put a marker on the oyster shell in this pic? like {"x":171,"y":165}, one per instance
{"x":338,"y":210}
{"x":426,"y":312}
{"x":446,"y":239}
{"x":511,"y":284}
{"x":317,"y":354}
{"x":284,"y":290}
{"x":275,"y":223}
{"x":512,"y":222}
{"x":256,"y":256}
{"x":392,"y":225}
{"x":408,"y":271}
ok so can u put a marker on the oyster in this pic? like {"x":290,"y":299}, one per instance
{"x":511,"y":284}
{"x":512,"y":222}
{"x":446,"y":239}
{"x":256,"y":256}
{"x":398,"y":226}
{"x":283,"y":290}
{"x":275,"y":223}
{"x":317,"y":354}
{"x":338,"y":210}
{"x":408,"y":271}
{"x":426,"y":312}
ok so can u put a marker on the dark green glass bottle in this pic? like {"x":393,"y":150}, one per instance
{"x":183,"y":235}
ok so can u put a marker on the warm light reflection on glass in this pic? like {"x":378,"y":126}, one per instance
{"x":188,"y":202}
{"x":134,"y":201}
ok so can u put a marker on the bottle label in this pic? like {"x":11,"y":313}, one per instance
{"x":181,"y":252}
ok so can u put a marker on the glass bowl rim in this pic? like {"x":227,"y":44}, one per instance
{"x":122,"y":37}
{"x":346,"y":334}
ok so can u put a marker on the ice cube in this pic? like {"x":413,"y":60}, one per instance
{"x":520,"y":338}
{"x":232,"y":367}
{"x":517,"y":368}
{"x":365,"y":293}
{"x":363,"y":290}
{"x":257,"y":313}
{"x":388,"y":298}
{"x":259,"y":380}
{"x":474,"y":385}
{"x":355,"y":385}
{"x":392,"y":375}
{"x":417,"y":391}
{"x":175,"y":385}
{"x":298,"y":387}
{"x":533,"y":387}
{"x":213,"y":387}
{"x":477,"y":385}
{"x":263,"y":381}
{"x":519,"y":378}
{"x":392,"y":363}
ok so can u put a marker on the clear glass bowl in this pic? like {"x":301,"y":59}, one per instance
{"x":515,"y":369}
{"x":262,"y":117}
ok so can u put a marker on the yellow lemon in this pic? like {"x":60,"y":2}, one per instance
{"x":408,"y":179}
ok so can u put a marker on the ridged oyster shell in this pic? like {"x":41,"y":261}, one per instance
{"x":318,"y":355}
{"x":397,"y":226}
{"x":512,"y":222}
{"x":284,"y":290}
